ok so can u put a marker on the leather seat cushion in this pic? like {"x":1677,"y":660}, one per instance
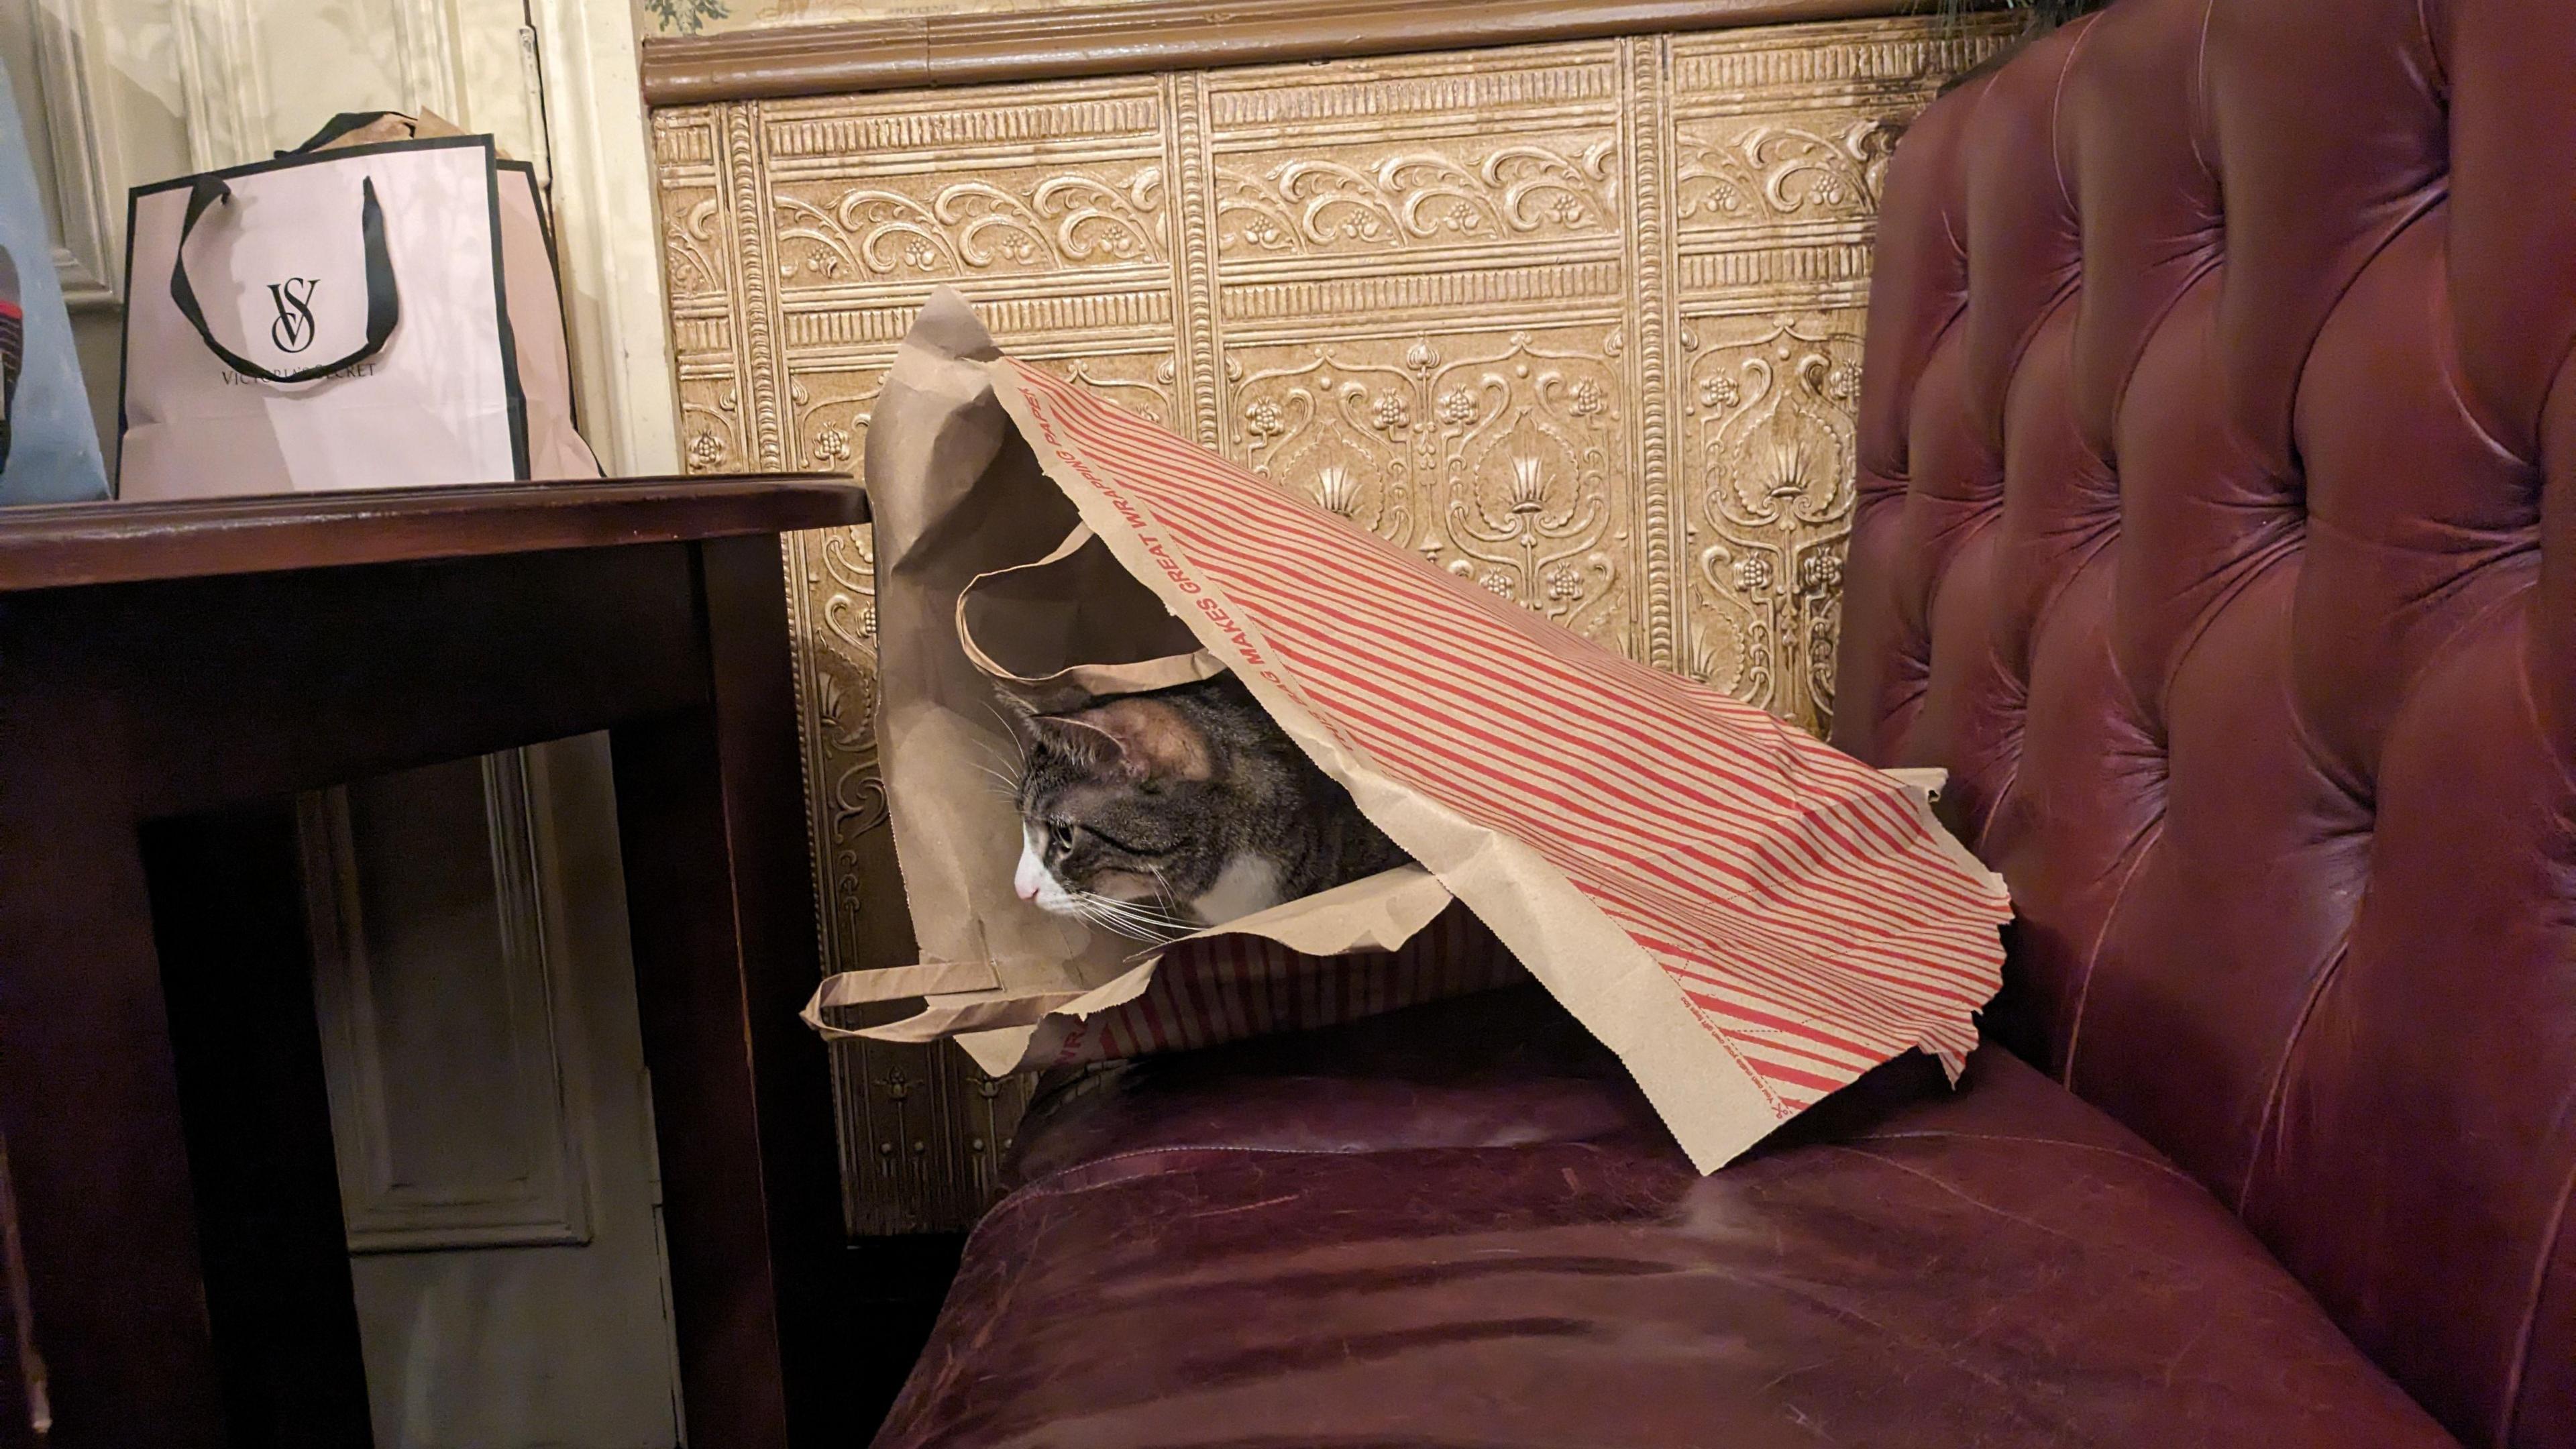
{"x":1459,"y":1225}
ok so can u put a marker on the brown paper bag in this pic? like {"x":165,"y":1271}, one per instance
{"x":967,"y":527}
{"x":367,"y":128}
{"x":1748,"y":917}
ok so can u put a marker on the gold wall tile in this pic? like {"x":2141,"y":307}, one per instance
{"x":1502,"y":456}
{"x":1579,"y":322}
{"x":1768,"y":444}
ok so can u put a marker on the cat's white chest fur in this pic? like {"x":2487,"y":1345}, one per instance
{"x":1247,"y":885}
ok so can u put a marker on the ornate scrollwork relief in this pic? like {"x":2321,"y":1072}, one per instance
{"x":845,"y":695}
{"x":1361,"y":202}
{"x":838,"y":642}
{"x":1579,"y":323}
{"x":1769,"y":423}
{"x":1501,"y":459}
{"x":1761,"y":172}
{"x":916,"y":229}
{"x":689,"y":243}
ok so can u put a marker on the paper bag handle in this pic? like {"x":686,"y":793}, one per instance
{"x":1099,"y":680}
{"x":341,"y":125}
{"x":384,"y":304}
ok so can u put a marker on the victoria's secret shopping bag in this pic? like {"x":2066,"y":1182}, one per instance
{"x":376,"y":309}
{"x":1747,"y":916}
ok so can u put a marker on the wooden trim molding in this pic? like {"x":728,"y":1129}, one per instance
{"x":601,"y":181}
{"x":223,"y":83}
{"x":399,"y":1190}
{"x":909,"y":52}
{"x":89,"y":180}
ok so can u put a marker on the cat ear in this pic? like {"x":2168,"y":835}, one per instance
{"x":1016,"y":712}
{"x":1019,"y":710}
{"x":1154,"y":740}
{"x":1078,"y":740}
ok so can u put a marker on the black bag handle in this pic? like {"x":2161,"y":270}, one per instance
{"x":337,"y":127}
{"x":384,"y":304}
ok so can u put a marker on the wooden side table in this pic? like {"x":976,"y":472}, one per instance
{"x":169,"y":676}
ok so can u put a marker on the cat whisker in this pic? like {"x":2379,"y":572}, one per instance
{"x":1171,"y":900}
{"x":1097,"y":907}
{"x":1155,"y":929}
{"x":1132,"y":919}
{"x":1010,"y":732}
{"x":1138,"y":909}
{"x":1110,"y":914}
{"x":1117,"y":925}
{"x":1002,"y":766}
{"x":1148,"y":930}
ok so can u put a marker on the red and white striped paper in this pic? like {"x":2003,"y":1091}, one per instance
{"x":1805,"y":917}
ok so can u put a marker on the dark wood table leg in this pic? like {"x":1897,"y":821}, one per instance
{"x":719,"y":888}
{"x":97,"y":1154}
{"x":24,"y":1409}
{"x":237,"y":971}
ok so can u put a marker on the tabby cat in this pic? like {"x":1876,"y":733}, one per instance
{"x":1155,"y":815}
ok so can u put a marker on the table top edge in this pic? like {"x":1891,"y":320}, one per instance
{"x":49,"y":546}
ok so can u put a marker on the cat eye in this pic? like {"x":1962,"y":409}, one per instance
{"x":1122,"y":847}
{"x":1061,"y":835}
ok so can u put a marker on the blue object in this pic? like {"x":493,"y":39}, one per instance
{"x":48,"y":440}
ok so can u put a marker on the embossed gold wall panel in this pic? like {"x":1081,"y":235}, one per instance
{"x":1578,"y":322}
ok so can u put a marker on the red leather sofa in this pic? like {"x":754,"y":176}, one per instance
{"x":2218,"y":480}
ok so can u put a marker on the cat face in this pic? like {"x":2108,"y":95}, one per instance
{"x":1126,"y":819}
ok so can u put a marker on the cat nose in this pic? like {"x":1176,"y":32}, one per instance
{"x":1027,"y":888}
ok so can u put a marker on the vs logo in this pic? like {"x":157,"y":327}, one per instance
{"x":293,"y":298}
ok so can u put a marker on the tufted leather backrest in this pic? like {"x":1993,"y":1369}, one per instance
{"x":2218,"y":531}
